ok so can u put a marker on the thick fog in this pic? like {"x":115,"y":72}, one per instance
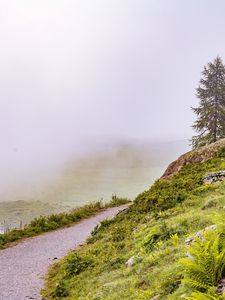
{"x":78,"y":74}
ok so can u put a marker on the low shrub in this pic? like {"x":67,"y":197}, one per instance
{"x":118,"y":234}
{"x":160,"y":233}
{"x":209,"y":204}
{"x":76,"y":264}
{"x":60,"y":290}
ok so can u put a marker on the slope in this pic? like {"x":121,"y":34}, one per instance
{"x":142,"y":253}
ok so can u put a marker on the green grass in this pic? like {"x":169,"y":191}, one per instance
{"x":152,"y":231}
{"x":55,"y":221}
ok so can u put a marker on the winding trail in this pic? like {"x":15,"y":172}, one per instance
{"x":23,"y":266}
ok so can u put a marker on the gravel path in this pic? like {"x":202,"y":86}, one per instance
{"x":23,"y":266}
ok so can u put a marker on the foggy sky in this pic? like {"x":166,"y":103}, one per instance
{"x":78,"y":70}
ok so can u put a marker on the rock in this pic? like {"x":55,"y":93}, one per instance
{"x":199,"y":235}
{"x":221,"y":287}
{"x":199,"y":155}
{"x":189,"y":241}
{"x":179,"y":168}
{"x":214,"y":177}
{"x":188,"y":255}
{"x":212,"y":227}
{"x":155,"y":297}
{"x":130,"y":262}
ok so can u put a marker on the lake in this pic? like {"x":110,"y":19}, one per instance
{"x":124,"y":169}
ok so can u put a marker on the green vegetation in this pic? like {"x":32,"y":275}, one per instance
{"x":143,"y":252}
{"x":205,"y":266}
{"x":55,"y":221}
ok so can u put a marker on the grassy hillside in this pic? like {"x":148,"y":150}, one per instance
{"x":162,"y":247}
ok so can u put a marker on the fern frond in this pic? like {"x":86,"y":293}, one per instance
{"x":205,"y":267}
{"x":202,"y":296}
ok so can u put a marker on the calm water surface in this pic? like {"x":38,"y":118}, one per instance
{"x":124,"y":170}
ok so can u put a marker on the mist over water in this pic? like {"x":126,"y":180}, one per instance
{"x":103,"y":169}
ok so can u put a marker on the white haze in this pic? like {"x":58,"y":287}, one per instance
{"x":79,"y":73}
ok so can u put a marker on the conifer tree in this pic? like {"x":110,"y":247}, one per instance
{"x":210,"y":123}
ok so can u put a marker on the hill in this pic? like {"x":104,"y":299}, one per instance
{"x":170,"y":244}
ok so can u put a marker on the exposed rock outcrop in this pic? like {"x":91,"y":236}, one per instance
{"x":196,"y":156}
{"x":214,"y":177}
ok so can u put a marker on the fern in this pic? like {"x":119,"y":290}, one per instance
{"x":203,"y":296}
{"x":205,"y":266}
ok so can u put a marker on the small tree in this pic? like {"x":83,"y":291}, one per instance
{"x":210,"y":123}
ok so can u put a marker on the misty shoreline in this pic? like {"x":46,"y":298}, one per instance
{"x":123,"y":169}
